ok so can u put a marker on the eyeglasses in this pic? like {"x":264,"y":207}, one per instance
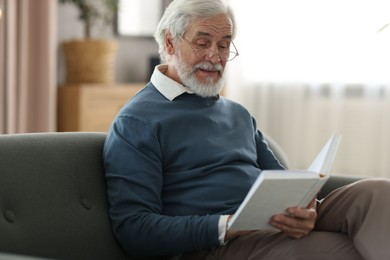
{"x":200,"y":51}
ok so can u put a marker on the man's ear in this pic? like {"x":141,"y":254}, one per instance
{"x":169,"y":44}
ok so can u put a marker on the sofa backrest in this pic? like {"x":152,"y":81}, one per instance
{"x":52,"y":197}
{"x":53,"y":200}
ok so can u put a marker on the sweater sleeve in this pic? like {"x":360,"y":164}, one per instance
{"x":134,"y":176}
{"x":265,"y":157}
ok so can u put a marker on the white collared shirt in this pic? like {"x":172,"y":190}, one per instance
{"x":165,"y":85}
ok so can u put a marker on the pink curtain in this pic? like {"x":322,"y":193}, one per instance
{"x":28,"y":67}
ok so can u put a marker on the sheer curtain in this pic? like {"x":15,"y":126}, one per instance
{"x":28,"y":68}
{"x":311,"y":68}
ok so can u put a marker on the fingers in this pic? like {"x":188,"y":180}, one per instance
{"x":291,"y":228}
{"x":313,"y":203}
{"x":231,"y":234}
{"x":308,"y":214}
{"x":297,"y":224}
{"x":291,"y":231}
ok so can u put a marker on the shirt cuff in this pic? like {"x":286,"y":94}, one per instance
{"x":222,"y":225}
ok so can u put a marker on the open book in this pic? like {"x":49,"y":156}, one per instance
{"x":276,"y":190}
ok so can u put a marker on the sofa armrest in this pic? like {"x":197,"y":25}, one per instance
{"x":277,"y":150}
{"x":335,"y":182}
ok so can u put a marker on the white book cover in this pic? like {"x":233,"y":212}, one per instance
{"x":276,"y":190}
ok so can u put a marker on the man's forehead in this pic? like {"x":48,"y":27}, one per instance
{"x":220,"y":26}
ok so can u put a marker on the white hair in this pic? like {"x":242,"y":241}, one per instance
{"x":180,"y":13}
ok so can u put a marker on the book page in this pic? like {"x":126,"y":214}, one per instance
{"x":324,"y":160}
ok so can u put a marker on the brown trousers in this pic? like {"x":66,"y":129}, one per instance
{"x":353,"y":223}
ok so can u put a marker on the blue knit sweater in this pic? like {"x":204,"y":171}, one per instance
{"x":174,"y":167}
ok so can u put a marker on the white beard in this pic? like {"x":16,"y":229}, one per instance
{"x":187,"y":76}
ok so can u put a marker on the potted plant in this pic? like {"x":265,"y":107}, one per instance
{"x":91,"y":60}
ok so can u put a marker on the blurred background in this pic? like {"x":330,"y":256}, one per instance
{"x":307,"y":69}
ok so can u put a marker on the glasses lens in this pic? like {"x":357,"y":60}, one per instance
{"x":225,"y":56}
{"x":232,"y":55}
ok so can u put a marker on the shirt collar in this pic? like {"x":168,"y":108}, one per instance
{"x":165,"y":85}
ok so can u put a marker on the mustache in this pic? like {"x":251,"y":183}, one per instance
{"x":208,"y":66}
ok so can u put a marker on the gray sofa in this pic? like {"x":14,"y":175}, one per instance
{"x":53,"y":199}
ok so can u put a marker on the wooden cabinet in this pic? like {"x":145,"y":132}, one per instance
{"x":91,"y":108}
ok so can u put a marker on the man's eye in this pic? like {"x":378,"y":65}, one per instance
{"x":202,"y":45}
{"x":224,"y":45}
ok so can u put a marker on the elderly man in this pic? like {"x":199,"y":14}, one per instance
{"x":180,"y":159}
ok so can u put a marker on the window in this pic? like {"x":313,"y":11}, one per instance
{"x":139,"y":17}
{"x":314,"y":40}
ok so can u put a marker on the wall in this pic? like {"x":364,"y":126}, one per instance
{"x":132,"y":60}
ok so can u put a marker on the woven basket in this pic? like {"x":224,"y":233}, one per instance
{"x":89,"y":61}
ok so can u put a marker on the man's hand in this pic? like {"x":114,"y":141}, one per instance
{"x":299,"y":222}
{"x":231,"y":234}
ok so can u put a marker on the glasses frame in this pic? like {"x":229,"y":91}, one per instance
{"x":210,"y":53}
